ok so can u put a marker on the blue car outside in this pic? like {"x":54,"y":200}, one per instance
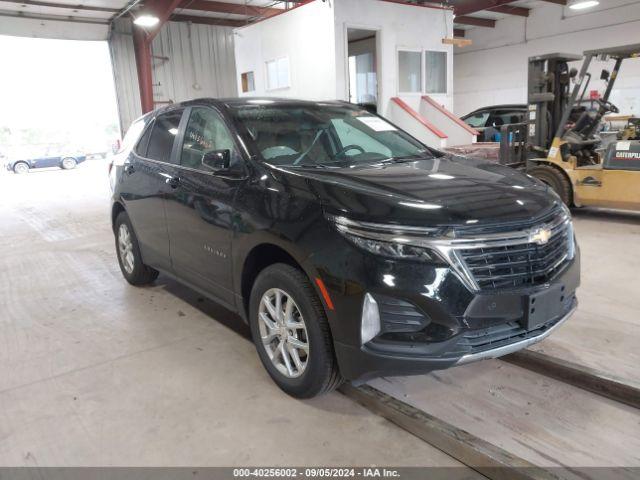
{"x":66,"y":162}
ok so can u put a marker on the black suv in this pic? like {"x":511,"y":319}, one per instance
{"x":351,"y":249}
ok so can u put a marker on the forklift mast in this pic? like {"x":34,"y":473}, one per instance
{"x":549,"y":97}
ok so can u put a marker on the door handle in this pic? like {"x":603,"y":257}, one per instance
{"x":129,"y":169}
{"x":173,"y":182}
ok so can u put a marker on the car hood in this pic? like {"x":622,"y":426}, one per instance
{"x":447,"y":190}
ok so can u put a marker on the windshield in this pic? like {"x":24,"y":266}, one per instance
{"x":324,"y":135}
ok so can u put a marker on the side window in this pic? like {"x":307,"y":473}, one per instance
{"x":131,"y":136}
{"x":350,"y":135}
{"x":163,"y":134}
{"x":141,"y":147}
{"x":206,"y":132}
{"x":507,"y":117}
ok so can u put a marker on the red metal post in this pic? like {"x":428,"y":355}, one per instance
{"x":143,"y":64}
{"x":142,"y":46}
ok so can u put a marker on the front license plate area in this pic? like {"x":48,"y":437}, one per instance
{"x":544,"y":306}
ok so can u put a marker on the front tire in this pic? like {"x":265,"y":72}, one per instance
{"x":20,"y":168}
{"x":128,"y":251}
{"x":555,"y":179}
{"x":291,"y":332}
{"x":68,"y":163}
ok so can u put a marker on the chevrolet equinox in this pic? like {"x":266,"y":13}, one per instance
{"x":351,"y":249}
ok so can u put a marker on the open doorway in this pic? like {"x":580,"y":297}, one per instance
{"x":58,"y":105}
{"x":363,"y":67}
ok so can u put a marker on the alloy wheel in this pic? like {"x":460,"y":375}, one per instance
{"x":125,"y":248}
{"x":283,"y":332}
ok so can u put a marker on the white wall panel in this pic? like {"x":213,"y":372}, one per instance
{"x":305,"y":36}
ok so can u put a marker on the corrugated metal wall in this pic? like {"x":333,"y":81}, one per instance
{"x":189,"y":61}
{"x":125,"y":75}
{"x":201,"y":62}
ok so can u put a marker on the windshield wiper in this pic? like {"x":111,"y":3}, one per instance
{"x":405,"y":158}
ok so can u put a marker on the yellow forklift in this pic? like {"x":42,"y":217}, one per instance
{"x":562,"y":145}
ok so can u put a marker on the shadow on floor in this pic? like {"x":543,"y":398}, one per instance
{"x":213,"y":310}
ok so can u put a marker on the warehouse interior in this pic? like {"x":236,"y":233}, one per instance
{"x":95,"y":372}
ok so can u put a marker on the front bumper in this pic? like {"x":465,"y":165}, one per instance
{"x":362,"y":364}
{"x":479,"y":325}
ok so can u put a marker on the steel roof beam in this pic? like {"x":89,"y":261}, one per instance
{"x":510,"y":10}
{"x":223,"y":22}
{"x":223,"y":7}
{"x":466,"y":7}
{"x":475,"y":21}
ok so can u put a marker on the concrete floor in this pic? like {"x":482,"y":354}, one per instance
{"x":96,"y":372}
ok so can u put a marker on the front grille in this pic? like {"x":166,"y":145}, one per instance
{"x":504,"y":262}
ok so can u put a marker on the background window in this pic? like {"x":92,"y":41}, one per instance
{"x":165,"y":130}
{"x":436,"y":72}
{"x":278,"y":73}
{"x":410,"y":71}
{"x":205,"y":132}
{"x":248,"y":83}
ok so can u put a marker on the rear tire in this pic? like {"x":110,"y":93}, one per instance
{"x":128,"y":252}
{"x":68,"y":163}
{"x":21,"y":168}
{"x":314,"y":371}
{"x":557,"y":180}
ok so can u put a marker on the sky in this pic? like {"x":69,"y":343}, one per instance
{"x":57,"y":85}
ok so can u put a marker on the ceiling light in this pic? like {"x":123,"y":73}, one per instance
{"x":582,"y":4}
{"x":146,"y":21}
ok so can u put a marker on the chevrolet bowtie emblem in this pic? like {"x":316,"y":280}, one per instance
{"x":540,"y":236}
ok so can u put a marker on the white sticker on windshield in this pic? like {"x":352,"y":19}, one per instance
{"x":377,"y":124}
{"x":623,"y":146}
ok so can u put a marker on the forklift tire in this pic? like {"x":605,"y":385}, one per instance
{"x":555,"y":179}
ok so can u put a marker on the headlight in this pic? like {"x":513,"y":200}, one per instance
{"x":565,"y":209}
{"x":387,"y":240}
{"x":397,"y":250}
{"x":571,"y":239}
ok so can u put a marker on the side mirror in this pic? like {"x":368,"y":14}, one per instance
{"x":217,"y":159}
{"x":604,"y":75}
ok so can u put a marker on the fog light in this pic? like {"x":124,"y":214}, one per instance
{"x":370,"y":326}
